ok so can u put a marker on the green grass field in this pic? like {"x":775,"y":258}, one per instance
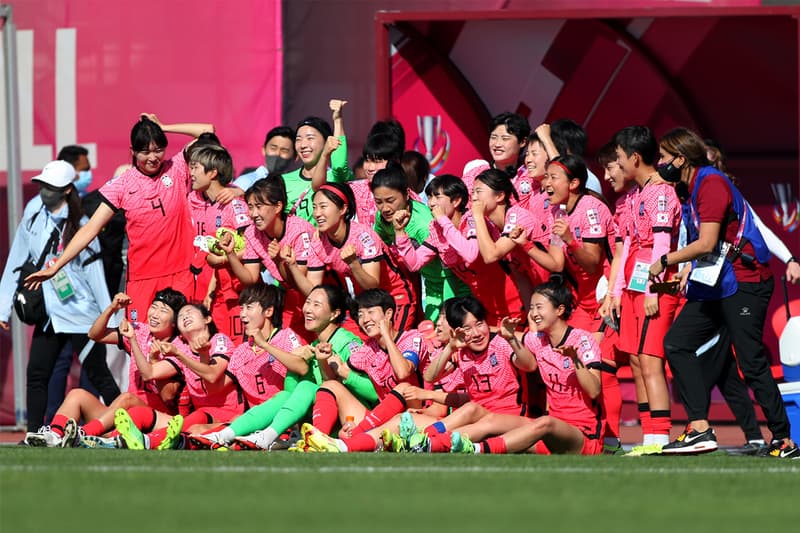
{"x":121,"y":490}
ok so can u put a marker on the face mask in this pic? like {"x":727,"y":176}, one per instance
{"x":670,"y":172}
{"x":83,"y":181}
{"x":52,"y":199}
{"x":277,"y":164}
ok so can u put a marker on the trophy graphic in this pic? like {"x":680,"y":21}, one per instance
{"x":432,"y":141}
{"x":786,"y":210}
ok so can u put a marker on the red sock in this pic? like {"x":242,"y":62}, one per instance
{"x":143,"y":418}
{"x":197,"y":417}
{"x":644,"y":419}
{"x":440,"y":442}
{"x":391,"y":405}
{"x":325,"y":413}
{"x":184,"y":402}
{"x":362,"y":442}
{"x":494,"y":445}
{"x":57,"y":424}
{"x":660,"y":422}
{"x":94,"y":427}
{"x":612,"y":403}
{"x":156,"y":437}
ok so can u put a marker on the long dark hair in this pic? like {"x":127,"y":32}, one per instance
{"x":73,"y":223}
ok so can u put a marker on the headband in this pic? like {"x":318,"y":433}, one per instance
{"x":335,"y":191}
{"x":560,"y":164}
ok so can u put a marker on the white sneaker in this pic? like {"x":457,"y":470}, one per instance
{"x":255,"y":440}
{"x":44,"y":438}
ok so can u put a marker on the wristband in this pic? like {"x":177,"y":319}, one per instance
{"x":792,"y":259}
{"x":664,"y":262}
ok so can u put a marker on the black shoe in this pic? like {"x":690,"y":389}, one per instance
{"x":691,"y":441}
{"x":781,"y":450}
{"x":281,"y":445}
{"x":749,"y":448}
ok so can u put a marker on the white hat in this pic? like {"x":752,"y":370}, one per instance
{"x":57,"y":174}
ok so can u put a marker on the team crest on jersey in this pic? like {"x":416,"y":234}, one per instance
{"x":525,"y":187}
{"x":547,"y":203}
{"x":493,"y":360}
{"x":166,"y":180}
{"x":566,"y":363}
{"x":577,"y":233}
{"x":218,"y":222}
{"x":353,"y":346}
{"x":641,"y":209}
{"x":271,"y":359}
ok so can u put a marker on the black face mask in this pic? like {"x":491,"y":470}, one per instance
{"x":52,"y":198}
{"x":669,"y":172}
{"x":277,"y":164}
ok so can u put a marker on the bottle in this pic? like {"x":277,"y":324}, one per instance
{"x":560,"y":213}
{"x":348,"y":426}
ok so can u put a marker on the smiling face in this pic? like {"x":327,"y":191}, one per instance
{"x":614,"y":176}
{"x":149,"y":161}
{"x":191,"y":320}
{"x":253,"y":315}
{"x":628,"y":165}
{"x":371,"y":166}
{"x":388,"y":200}
{"x":543,"y":313}
{"x":279,"y":146}
{"x":160,"y":319}
{"x":326,"y":213}
{"x":442,"y":330}
{"x":558,"y":185}
{"x":317,"y":313}
{"x":369,"y":319}
{"x":535,"y":160}
{"x":309,"y":143}
{"x":504,"y":147}
{"x":262,"y":213}
{"x":476,"y":332}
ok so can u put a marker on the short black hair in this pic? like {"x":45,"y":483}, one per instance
{"x":266,"y":295}
{"x":568,"y":136}
{"x":271,"y":189}
{"x":451,"y":186}
{"x":346,"y":191}
{"x":319,"y":124}
{"x":391,"y":177}
{"x":383,"y":147}
{"x":338,"y":300}
{"x":144,"y":132}
{"x":390,"y":127}
{"x":638,"y":139}
{"x":375,"y":298}
{"x":280,"y":131}
{"x":172,"y":299}
{"x":515,"y":124}
{"x":456,"y":309}
{"x":71,"y":153}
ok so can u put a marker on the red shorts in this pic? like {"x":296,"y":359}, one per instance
{"x":590,"y":447}
{"x":143,"y":291}
{"x":585,"y":320}
{"x":639,"y":334}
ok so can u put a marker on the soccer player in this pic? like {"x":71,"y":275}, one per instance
{"x":80,"y":404}
{"x":389,"y":357}
{"x":569,"y":360}
{"x":495,"y":218}
{"x":324,"y":310}
{"x":531,"y":195}
{"x":351,"y":253}
{"x":201,"y":355}
{"x":647,"y":316}
{"x":452,"y":237}
{"x":400,"y":214}
{"x":272,"y":230}
{"x":153,"y":194}
{"x":380,"y":149}
{"x":211,"y":170}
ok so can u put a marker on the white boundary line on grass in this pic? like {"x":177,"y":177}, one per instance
{"x":788,"y":469}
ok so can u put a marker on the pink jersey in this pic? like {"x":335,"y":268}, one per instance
{"x":147,"y":391}
{"x":365,"y":202}
{"x":371,"y":359}
{"x":656,"y":210}
{"x":452,"y":382}
{"x":157,"y":219}
{"x":207,"y":218}
{"x":623,"y":219}
{"x":518,"y":258}
{"x":526,"y":187}
{"x":224,"y":397}
{"x":492,"y":379}
{"x":566,"y":398}
{"x":369,"y":249}
{"x":259,"y":374}
{"x":539,"y":205}
{"x":590,"y":222}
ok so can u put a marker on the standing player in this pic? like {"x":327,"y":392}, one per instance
{"x":211,"y":169}
{"x":646,"y":316}
{"x":153,"y":194}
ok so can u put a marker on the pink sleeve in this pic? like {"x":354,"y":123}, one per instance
{"x":466,"y":248}
{"x":619,"y":283}
{"x":114,"y":190}
{"x":235,"y":215}
{"x":661,"y":246}
{"x":414,"y":258}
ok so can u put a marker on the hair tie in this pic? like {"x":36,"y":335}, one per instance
{"x":335,"y":191}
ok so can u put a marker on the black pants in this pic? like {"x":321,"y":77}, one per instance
{"x":720,"y":369}
{"x":744,"y":314}
{"x":45,"y":347}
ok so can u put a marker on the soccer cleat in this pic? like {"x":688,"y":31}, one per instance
{"x":419,"y":443}
{"x":392,"y":442}
{"x":461,"y":443}
{"x":93,"y":441}
{"x":613,"y":449}
{"x":131,"y":436}
{"x":319,"y":441}
{"x":172,"y":438}
{"x":407,"y":427}
{"x":646,"y":449}
{"x":202,"y":442}
{"x":72,"y":434}
{"x":691,"y":441}
{"x":44,"y":438}
{"x":253,"y":441}
{"x":781,"y":450}
{"x":280,"y":445}
{"x":300,"y":446}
